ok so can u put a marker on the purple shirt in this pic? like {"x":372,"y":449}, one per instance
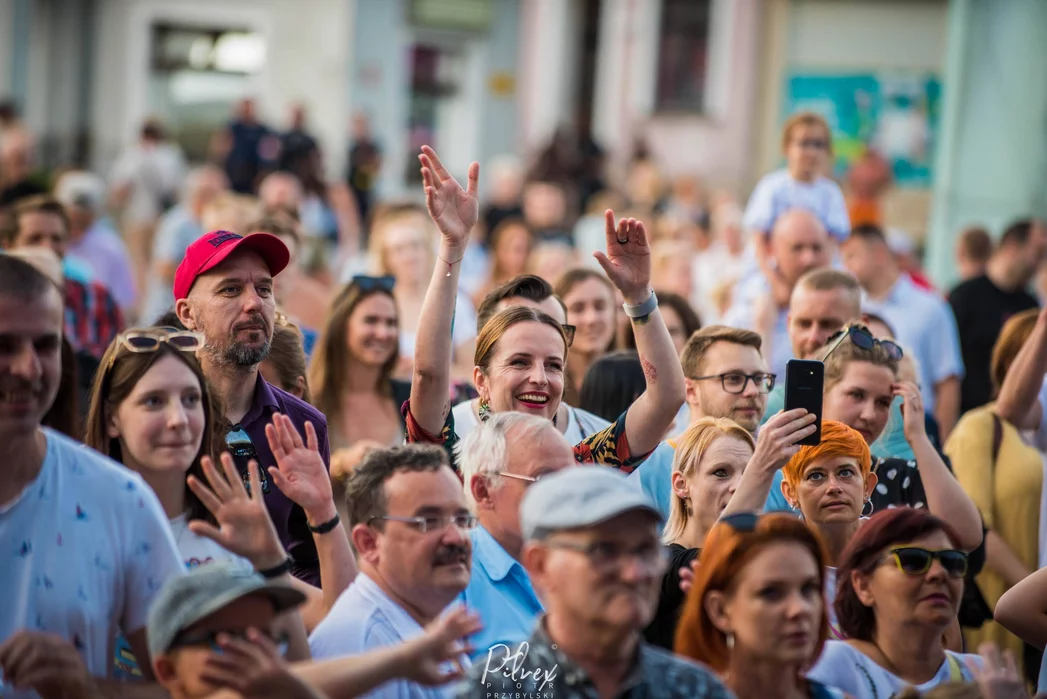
{"x":288,"y":517}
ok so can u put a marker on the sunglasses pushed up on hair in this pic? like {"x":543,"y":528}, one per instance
{"x":862,"y":338}
{"x":141,"y":341}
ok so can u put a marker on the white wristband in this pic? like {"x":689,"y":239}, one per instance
{"x":642,"y":309}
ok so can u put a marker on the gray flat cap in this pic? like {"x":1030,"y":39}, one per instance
{"x":188,"y":598}
{"x":578,"y":497}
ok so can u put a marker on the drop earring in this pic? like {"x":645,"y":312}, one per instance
{"x":485,"y":410}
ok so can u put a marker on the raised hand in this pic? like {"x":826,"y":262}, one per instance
{"x":628,"y":259}
{"x":454,"y":209}
{"x":999,"y":677}
{"x":434,"y":658}
{"x":776,"y":443}
{"x":687,"y":576}
{"x":253,"y":667}
{"x":244,"y":525}
{"x":44,"y":663}
{"x":299,"y":472}
{"x":913,"y":419}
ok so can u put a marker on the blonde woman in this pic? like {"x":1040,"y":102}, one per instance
{"x":710,"y":457}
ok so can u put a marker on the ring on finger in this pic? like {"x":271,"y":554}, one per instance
{"x":622,"y":241}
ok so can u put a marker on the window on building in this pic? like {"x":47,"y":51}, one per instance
{"x":683,"y":55}
{"x":197,"y":74}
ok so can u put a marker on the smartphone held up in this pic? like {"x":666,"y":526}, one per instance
{"x":804,"y":382}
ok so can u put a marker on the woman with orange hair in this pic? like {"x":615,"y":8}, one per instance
{"x":755,"y":613}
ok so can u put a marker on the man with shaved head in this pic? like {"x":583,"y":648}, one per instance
{"x":798,"y":243}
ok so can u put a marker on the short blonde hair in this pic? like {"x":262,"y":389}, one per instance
{"x":689,"y":450}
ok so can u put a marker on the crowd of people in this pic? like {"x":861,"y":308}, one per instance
{"x":272,"y":436}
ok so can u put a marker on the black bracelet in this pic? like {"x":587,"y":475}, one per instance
{"x":326,"y":526}
{"x":277,"y":571}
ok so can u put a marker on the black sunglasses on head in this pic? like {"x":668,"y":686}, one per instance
{"x":862,"y":338}
{"x":742,"y":522}
{"x":368,"y":284}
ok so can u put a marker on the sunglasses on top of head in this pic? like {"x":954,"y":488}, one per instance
{"x":367,"y":284}
{"x":862,"y":338}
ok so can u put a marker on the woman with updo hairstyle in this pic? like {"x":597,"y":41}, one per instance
{"x":707,"y":466}
{"x":900,"y":581}
{"x":755,"y":613}
{"x":521,"y":353}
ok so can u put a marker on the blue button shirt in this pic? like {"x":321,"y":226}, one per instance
{"x":500,"y":591}
{"x":655,"y":477}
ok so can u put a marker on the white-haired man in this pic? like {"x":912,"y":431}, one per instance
{"x":499,"y":460}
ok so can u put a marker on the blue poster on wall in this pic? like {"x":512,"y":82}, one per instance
{"x":896,"y":113}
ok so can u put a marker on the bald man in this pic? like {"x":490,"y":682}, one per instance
{"x":798,"y":243}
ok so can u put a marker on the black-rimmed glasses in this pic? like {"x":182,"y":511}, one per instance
{"x":862,"y":338}
{"x":239,"y":444}
{"x":210,"y":640}
{"x":735,"y":381}
{"x":425,"y":525}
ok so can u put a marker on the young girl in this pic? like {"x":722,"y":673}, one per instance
{"x":152,"y":411}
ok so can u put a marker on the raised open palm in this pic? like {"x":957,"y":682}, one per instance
{"x":454,"y":209}
{"x":628,"y":258}
{"x":244,"y":525}
{"x":435,"y":657}
{"x":299,"y":472}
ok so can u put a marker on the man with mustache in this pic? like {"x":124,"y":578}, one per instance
{"x":409,"y":524}
{"x":224,"y":289}
{"x":726,"y":377}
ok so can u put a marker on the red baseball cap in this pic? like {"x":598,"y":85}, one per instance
{"x":211,"y":249}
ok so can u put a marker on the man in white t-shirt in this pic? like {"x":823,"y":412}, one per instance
{"x":84,"y":543}
{"x":534,"y":292}
{"x":409,"y":523}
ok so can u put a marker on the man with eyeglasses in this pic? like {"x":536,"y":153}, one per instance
{"x":594,"y":554}
{"x":409,"y":524}
{"x":528,"y":290}
{"x":499,"y":461}
{"x":726,"y":377}
{"x":224,"y":289}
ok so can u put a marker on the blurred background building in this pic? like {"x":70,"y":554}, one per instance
{"x":947,"y":91}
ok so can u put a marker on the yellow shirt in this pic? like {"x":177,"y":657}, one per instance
{"x":1007,"y":494}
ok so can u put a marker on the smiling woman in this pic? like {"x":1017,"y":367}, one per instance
{"x":521,"y":353}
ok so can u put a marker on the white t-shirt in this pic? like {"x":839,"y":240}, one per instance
{"x":580,"y":423}
{"x":778,"y":192}
{"x":195,"y":551}
{"x":365,"y":618}
{"x":843,"y":666}
{"x":86,"y":547}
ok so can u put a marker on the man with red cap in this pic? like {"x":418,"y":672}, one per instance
{"x":224,"y":289}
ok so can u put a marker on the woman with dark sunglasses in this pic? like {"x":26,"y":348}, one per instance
{"x":900,"y":581}
{"x":755,"y":613}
